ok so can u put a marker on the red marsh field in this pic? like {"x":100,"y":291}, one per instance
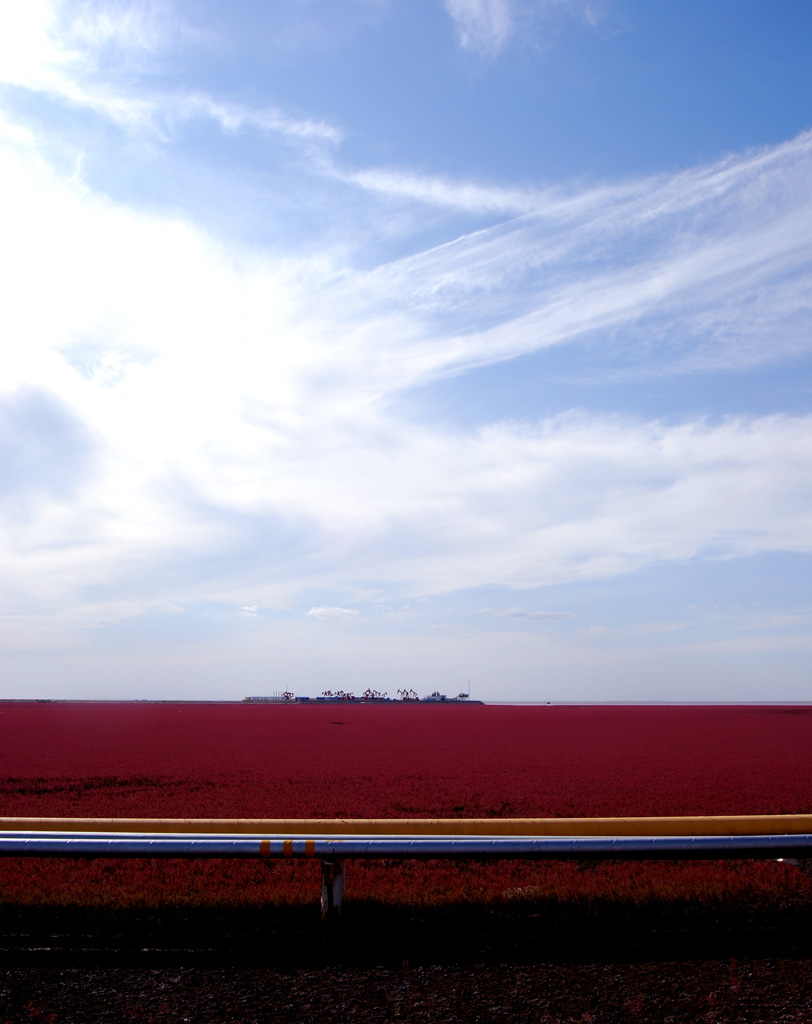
{"x":406,"y":760}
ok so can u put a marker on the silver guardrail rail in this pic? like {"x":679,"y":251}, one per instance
{"x":334,"y":841}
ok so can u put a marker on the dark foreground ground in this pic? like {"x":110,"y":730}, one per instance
{"x":522,"y":963}
{"x":750,"y":990}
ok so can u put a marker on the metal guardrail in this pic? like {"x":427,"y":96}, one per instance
{"x":27,"y":844}
{"x":334,"y":841}
{"x":720,"y":825}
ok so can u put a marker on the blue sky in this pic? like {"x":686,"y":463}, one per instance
{"x":392,"y":343}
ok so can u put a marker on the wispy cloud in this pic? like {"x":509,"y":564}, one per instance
{"x":708,"y":265}
{"x":233,"y":118}
{"x":103,"y":58}
{"x":529,"y":615}
{"x":327,"y":612}
{"x":287,"y":423}
{"x":280,"y":455}
{"x":483,"y":26}
{"x":471,"y":197}
{"x":486,"y":26}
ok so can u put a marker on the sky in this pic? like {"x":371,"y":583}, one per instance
{"x":419,"y":344}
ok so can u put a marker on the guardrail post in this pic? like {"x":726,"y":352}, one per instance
{"x":332,"y":892}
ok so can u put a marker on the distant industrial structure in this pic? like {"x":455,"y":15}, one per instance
{"x":367,"y":697}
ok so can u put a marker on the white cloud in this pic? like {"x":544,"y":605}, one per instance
{"x":571,"y":499}
{"x":233,"y":118}
{"x":708,"y":266}
{"x":52,"y":46}
{"x":232,"y":413}
{"x":486,"y":26}
{"x":483,"y":26}
{"x":536,"y":615}
{"x":100,"y":56}
{"x":206,"y":430}
{"x":327,"y":612}
{"x":472,"y":197}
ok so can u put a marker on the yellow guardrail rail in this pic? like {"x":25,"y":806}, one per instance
{"x":705,"y":825}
